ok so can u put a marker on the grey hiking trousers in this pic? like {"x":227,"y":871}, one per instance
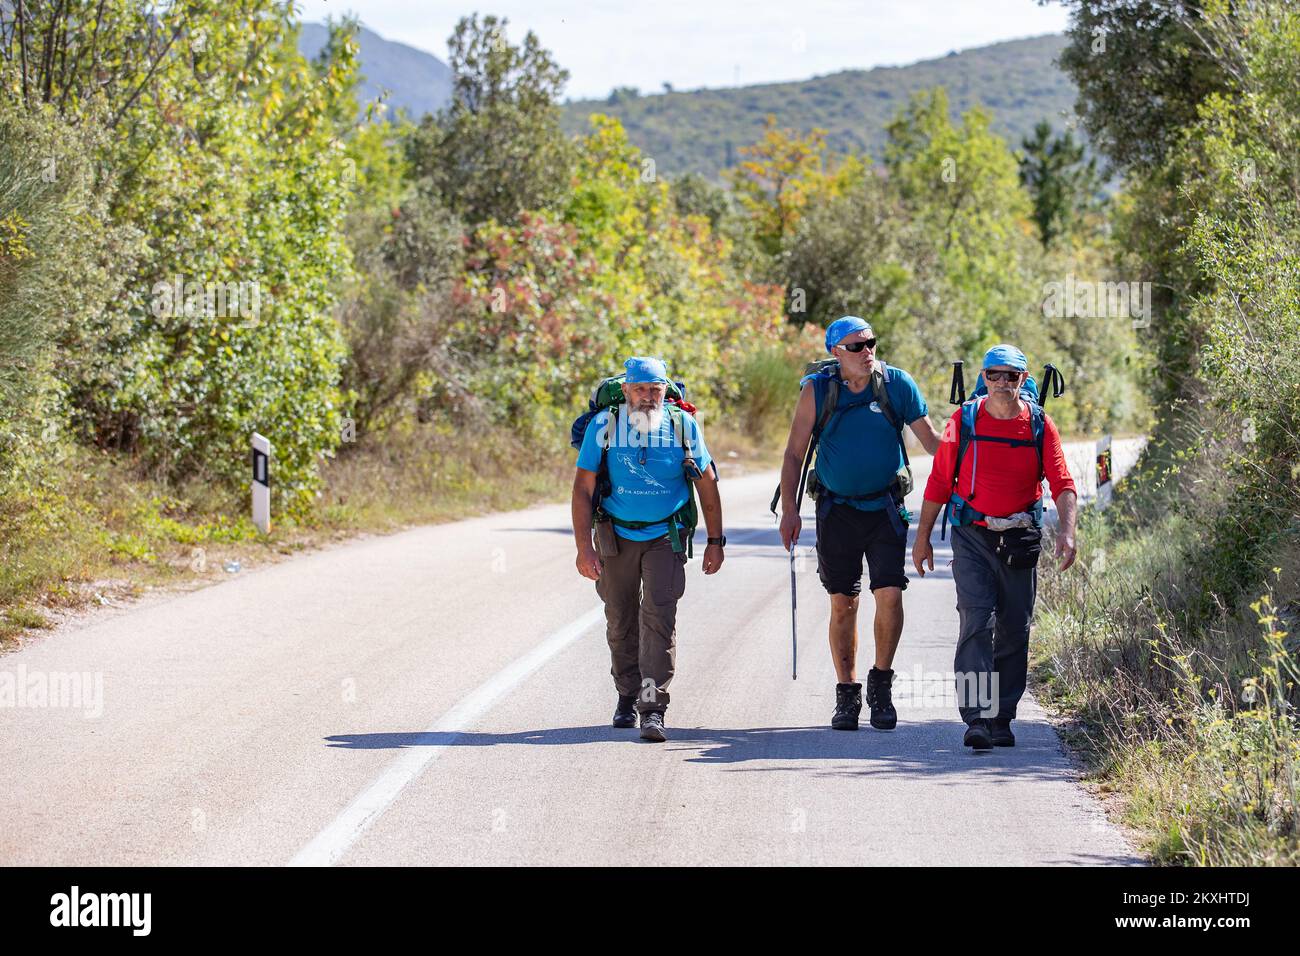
{"x":995,"y":604}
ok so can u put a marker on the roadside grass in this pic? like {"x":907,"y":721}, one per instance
{"x":94,"y":531}
{"x":1186,"y":714}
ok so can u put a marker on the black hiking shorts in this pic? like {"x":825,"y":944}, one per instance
{"x":844,"y":536}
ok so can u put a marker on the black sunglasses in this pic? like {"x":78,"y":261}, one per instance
{"x":1001,"y":376}
{"x":859,"y":345}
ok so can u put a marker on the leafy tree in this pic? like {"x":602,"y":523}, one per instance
{"x":621,"y":271}
{"x":497,"y":150}
{"x":857,"y":253}
{"x":399,"y":305}
{"x":779,"y":175}
{"x":959,"y":184}
{"x":694,"y":195}
{"x":1142,"y":70}
{"x":1062,"y":186}
{"x":221,"y":144}
{"x":61,"y":262}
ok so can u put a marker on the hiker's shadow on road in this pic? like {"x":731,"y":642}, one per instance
{"x":930,"y":749}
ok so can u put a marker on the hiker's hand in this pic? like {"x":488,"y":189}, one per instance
{"x":589,"y":563}
{"x":1065,"y":550}
{"x":791,"y":525}
{"x":922,"y":553}
{"x":713,"y":558}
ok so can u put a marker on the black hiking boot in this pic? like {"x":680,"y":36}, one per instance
{"x":880,"y":699}
{"x":848,"y":704}
{"x":625,"y":712}
{"x":1001,"y":733}
{"x":978,"y":736}
{"x":652,"y":726}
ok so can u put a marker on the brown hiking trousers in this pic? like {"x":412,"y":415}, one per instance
{"x":641,"y":586}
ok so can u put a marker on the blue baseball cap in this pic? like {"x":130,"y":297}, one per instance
{"x":840,"y":328}
{"x":1006,"y":355}
{"x":641,"y":369}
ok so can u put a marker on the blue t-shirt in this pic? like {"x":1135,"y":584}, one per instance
{"x":858,"y":452}
{"x":645,"y":471}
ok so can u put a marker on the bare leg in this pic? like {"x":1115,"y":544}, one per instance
{"x":888,"y":624}
{"x":844,"y":636}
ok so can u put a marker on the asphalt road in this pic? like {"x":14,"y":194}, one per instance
{"x":442,"y":696}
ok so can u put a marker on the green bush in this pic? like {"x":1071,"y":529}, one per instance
{"x":1177,"y":642}
{"x":54,"y":240}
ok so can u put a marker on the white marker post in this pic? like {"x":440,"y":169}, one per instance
{"x":261,"y":483}
{"x":1105,"y":473}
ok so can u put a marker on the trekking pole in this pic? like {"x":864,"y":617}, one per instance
{"x":794,"y":625}
{"x":798,"y":501}
{"x":794,"y":591}
{"x":957,"y":394}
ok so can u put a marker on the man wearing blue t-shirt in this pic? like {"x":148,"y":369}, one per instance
{"x":858,"y":483}
{"x":650,"y":452}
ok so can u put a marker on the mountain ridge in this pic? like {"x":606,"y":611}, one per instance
{"x":702,"y":130}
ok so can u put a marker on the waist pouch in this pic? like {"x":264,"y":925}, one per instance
{"x":1017,"y":548}
{"x":904,"y":481}
{"x":606,"y":539}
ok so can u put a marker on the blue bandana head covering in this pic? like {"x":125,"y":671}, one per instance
{"x":1007,"y":355}
{"x":844,"y":327}
{"x":645,"y":369}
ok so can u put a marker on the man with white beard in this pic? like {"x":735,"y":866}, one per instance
{"x":633,"y":490}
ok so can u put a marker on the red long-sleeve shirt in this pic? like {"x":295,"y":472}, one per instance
{"x":1007,"y":477}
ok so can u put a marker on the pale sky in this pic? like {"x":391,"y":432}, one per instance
{"x":694,"y":43}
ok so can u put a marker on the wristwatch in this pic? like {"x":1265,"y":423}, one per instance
{"x":720,"y":542}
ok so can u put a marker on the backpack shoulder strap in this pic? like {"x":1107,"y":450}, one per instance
{"x":611,"y":422}
{"x":1038,"y":424}
{"x":826,"y":395}
{"x":603,"y":484}
{"x":966,"y":434}
{"x":881,"y":395}
{"x":677,"y":415}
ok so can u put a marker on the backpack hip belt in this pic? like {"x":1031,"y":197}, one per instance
{"x":959,"y":512}
{"x":681,"y":525}
{"x":817,"y":490}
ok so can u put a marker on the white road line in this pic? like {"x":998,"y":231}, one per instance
{"x":328,"y":846}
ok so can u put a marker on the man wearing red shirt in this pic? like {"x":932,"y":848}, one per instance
{"x":996,"y":511}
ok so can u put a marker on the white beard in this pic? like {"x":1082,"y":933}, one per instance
{"x":646,"y":423}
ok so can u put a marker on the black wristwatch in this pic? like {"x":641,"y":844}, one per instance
{"x":720,"y":542}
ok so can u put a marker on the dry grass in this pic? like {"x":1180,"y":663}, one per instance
{"x":97,"y":532}
{"x":1188,"y":716}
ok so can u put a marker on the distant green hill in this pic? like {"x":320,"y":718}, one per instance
{"x":414,"y":80}
{"x":702,"y":130}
